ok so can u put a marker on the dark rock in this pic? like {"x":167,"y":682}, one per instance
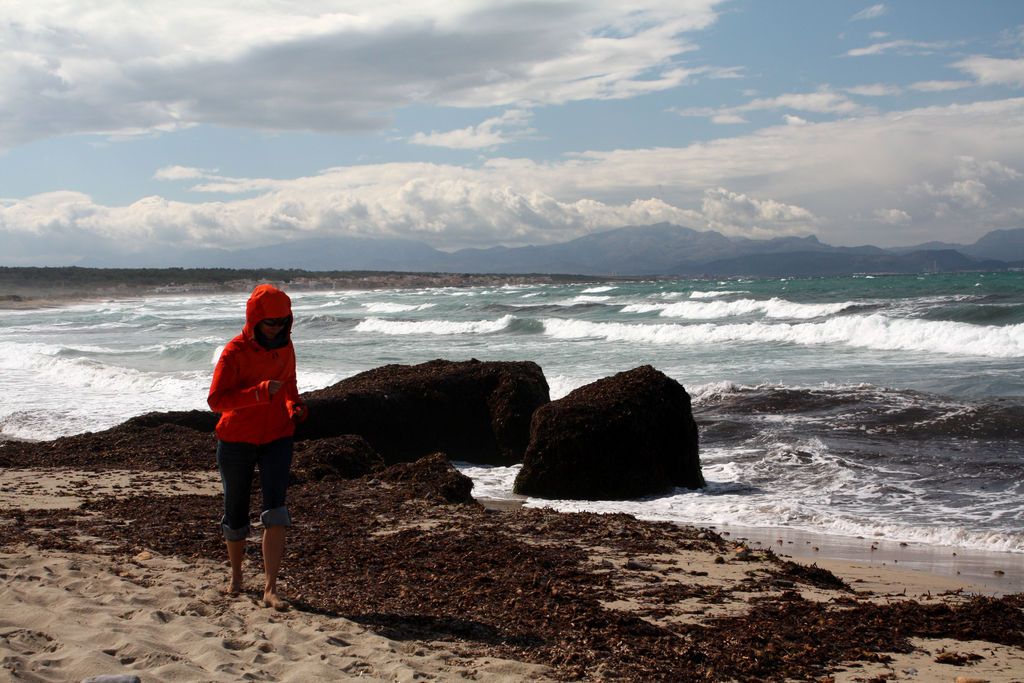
{"x":474,"y":411}
{"x":432,"y":478}
{"x":621,"y":437}
{"x":342,"y":457}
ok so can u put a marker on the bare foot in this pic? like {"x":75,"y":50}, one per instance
{"x":270,"y":599}
{"x":232,"y":589}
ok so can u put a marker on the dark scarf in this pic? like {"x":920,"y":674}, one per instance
{"x":278,"y":341}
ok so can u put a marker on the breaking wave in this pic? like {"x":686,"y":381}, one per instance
{"x":875,"y":332}
{"x":434,"y":327}
{"x":710,"y":310}
{"x":389,"y":307}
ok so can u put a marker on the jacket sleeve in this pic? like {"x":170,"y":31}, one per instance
{"x":292,"y":397}
{"x":226,"y":395}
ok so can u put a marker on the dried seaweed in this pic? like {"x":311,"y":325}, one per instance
{"x":526,"y":584}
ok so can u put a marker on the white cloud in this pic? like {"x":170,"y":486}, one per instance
{"x":893,"y":216}
{"x":129,"y":67}
{"x":874,"y":90}
{"x":471,"y":137}
{"x":718,"y":73}
{"x":436,"y":204}
{"x":939,"y":86}
{"x":958,"y":161}
{"x":973,"y":184}
{"x":823,"y":101}
{"x":970,"y":194}
{"x":490,"y":133}
{"x":726,"y":117}
{"x":872,"y":12}
{"x":903,"y":47}
{"x":739,"y":214}
{"x":991,"y":71}
{"x":208,"y":180}
{"x":182,"y":173}
{"x":969,"y":168}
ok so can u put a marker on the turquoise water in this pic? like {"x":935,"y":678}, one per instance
{"x":887,"y":406}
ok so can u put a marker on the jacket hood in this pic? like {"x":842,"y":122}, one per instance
{"x":266,"y":301}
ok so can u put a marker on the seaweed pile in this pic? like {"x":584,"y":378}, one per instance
{"x":595,"y":597}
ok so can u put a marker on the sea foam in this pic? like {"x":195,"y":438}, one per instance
{"x":872,"y":331}
{"x":434,"y":327}
{"x":729,"y":500}
{"x":389,"y":307}
{"x":710,"y":310}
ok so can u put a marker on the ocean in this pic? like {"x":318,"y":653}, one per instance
{"x":881,"y":407}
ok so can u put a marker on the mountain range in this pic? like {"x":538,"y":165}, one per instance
{"x":652,"y":250}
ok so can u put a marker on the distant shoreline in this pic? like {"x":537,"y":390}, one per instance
{"x":25,"y":287}
{"x":41,"y":287}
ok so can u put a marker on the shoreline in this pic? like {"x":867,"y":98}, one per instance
{"x":163,"y":283}
{"x":387,"y":584}
{"x":976,"y":571}
{"x":980,"y":571}
{"x":975,"y":567}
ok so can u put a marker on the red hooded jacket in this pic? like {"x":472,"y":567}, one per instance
{"x":240,"y":387}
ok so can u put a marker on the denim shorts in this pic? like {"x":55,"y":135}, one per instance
{"x":237,"y":463}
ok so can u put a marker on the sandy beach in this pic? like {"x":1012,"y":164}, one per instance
{"x":80,"y":599}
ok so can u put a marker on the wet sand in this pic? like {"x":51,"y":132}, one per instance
{"x":980,"y":571}
{"x":990,"y":573}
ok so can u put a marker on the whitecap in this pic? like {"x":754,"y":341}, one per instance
{"x":434,"y":327}
{"x":873,"y":332}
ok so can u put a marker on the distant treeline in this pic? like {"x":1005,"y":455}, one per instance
{"x":75,"y":276}
{"x":74,"y":281}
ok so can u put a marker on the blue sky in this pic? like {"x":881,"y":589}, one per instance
{"x":131,"y":127}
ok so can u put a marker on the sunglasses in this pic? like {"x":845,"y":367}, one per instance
{"x":275,"y":322}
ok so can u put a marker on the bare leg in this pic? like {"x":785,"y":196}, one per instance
{"x":273,"y":551}
{"x":236,"y":551}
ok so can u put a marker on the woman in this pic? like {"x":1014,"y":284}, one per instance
{"x":254,"y":389}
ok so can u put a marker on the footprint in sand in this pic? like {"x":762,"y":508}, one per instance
{"x":236,"y":644}
{"x":162,"y":617}
{"x":28,"y":642}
